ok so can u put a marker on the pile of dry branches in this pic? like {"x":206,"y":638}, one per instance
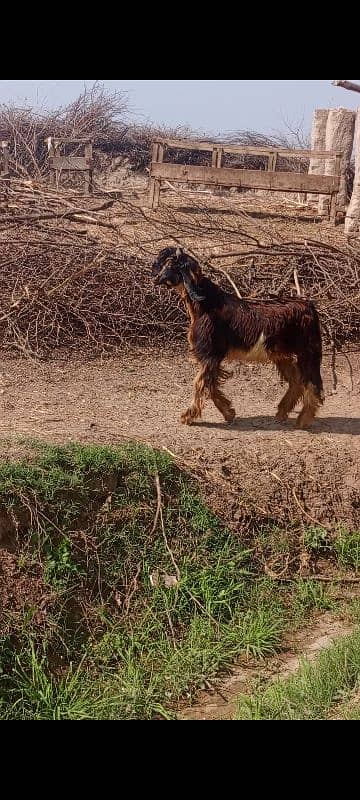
{"x":102,"y":116}
{"x":99,"y":115}
{"x":75,"y":272}
{"x":69,"y":277}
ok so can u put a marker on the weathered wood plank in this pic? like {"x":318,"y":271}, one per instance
{"x":71,"y":141}
{"x":332,"y":214}
{"x":247,"y":178}
{"x":185,"y":144}
{"x":5,"y":158}
{"x":88,"y":176}
{"x":272,"y":161}
{"x":155,"y":185}
{"x":69,"y":163}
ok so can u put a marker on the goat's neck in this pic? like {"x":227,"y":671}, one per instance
{"x":192,"y":307}
{"x":213,"y":296}
{"x":212,"y":293}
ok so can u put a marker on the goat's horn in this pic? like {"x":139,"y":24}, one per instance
{"x":178,"y":252}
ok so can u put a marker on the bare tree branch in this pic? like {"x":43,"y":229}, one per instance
{"x":353,"y":87}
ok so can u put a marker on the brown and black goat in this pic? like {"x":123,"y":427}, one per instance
{"x":223,"y":327}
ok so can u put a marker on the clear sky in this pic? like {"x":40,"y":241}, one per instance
{"x":208,"y":106}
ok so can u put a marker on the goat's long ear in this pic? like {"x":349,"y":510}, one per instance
{"x":191,"y":289}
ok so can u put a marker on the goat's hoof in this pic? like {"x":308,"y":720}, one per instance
{"x":281,"y":416}
{"x":303,"y":424}
{"x":187,"y":418}
{"x":230,"y":417}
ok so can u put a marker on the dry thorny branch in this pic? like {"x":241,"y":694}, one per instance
{"x":75,"y":272}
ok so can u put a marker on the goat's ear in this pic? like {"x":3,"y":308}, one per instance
{"x":194,"y":274}
{"x":194,"y":270}
{"x":191,"y":288}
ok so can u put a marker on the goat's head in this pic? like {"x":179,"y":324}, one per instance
{"x":177,"y":270}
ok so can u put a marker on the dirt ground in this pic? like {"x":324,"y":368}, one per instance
{"x":259,"y":463}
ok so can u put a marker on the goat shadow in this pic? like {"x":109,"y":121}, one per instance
{"x":278,"y":215}
{"x":226,"y":211}
{"x":345,"y":425}
{"x":254,"y":214}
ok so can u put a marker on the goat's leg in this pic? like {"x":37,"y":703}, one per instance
{"x":289,"y":371}
{"x":207,"y":385}
{"x":194,"y":411}
{"x":222,"y":403}
{"x":309,"y":367}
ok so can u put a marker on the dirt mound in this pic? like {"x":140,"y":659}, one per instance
{"x":314,"y":481}
{"x":20,"y":592}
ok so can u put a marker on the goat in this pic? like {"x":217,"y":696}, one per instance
{"x":285,"y":332}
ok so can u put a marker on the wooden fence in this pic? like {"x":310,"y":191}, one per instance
{"x":217,"y":175}
{"x":60,"y":162}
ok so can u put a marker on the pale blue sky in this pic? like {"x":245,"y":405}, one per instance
{"x":209,"y":106}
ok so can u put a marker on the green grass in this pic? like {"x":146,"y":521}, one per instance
{"x":350,"y":710}
{"x":116,"y":617}
{"x":32,"y":693}
{"x":316,"y":539}
{"x":311,"y":595}
{"x":347,"y":548}
{"x":353,"y":611}
{"x":342,"y":543}
{"x":281,"y":546}
{"x":313,"y":691}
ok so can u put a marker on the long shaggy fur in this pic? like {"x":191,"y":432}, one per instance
{"x":223,"y":327}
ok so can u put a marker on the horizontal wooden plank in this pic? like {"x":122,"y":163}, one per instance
{"x":70,"y":141}
{"x":69,"y":163}
{"x":252,"y":150}
{"x":247,"y":178}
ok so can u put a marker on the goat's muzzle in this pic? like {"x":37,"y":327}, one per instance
{"x":160,"y":279}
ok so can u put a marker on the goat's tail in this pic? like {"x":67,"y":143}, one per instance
{"x":309,"y":359}
{"x":316,"y":339}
